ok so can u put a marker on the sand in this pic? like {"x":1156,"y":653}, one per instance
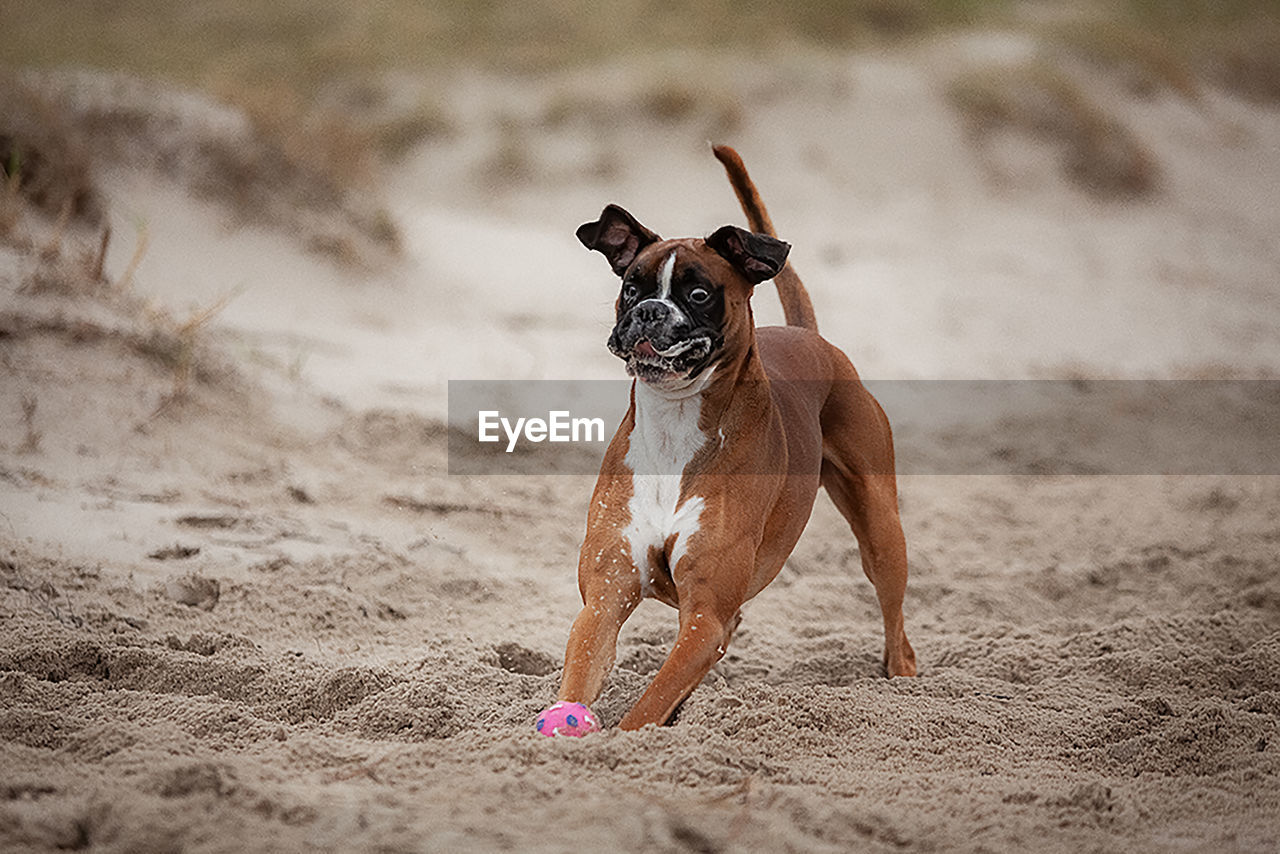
{"x":248,"y":609}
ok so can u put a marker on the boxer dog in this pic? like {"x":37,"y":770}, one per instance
{"x":713,"y":472}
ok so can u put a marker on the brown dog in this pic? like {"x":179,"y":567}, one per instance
{"x":713,"y":472}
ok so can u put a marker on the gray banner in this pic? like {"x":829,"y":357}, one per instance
{"x":940,"y":426}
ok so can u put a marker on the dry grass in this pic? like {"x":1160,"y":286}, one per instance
{"x":1097,"y":151}
{"x":274,"y":163}
{"x":1145,"y":61}
{"x":683,"y":93}
{"x":308,"y":44}
{"x":61,"y":289}
{"x":177,"y":343}
{"x":687,"y":95}
{"x":313,"y":75}
{"x":31,"y":436}
{"x":313,"y":78}
{"x":306,"y":171}
{"x":125,"y":283}
{"x":1183,"y":46}
{"x":396,"y":133}
{"x":65,"y":266}
{"x":1246,"y":62}
{"x":43,"y":158}
{"x":10,"y":203}
{"x":1152,"y":47}
{"x":322,"y":144}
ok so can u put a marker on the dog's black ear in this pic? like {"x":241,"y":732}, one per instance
{"x":756,"y":256}
{"x":616,"y":235}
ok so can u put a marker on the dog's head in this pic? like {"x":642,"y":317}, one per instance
{"x":684,"y":304}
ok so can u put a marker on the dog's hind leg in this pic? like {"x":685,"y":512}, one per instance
{"x":858,"y":473}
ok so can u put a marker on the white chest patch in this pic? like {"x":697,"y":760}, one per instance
{"x":664,"y":440}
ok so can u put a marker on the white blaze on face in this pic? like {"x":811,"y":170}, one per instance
{"x":665,"y":274}
{"x":664,"y":277}
{"x":664,"y":440}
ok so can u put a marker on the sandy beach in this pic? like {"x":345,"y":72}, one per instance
{"x":244,"y":606}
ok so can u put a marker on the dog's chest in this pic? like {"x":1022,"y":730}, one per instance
{"x":662,"y":443}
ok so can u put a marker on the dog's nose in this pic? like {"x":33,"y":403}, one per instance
{"x":650,"y":311}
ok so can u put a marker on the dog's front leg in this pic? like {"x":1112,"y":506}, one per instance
{"x":710,"y":594}
{"x":699,"y":645}
{"x":610,"y":588}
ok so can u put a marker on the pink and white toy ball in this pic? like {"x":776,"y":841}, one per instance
{"x":565,"y":718}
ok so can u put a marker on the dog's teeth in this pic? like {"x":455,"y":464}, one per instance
{"x":676,"y":349}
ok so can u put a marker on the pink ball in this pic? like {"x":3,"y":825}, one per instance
{"x":565,"y":718}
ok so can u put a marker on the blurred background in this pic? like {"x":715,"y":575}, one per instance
{"x":362,"y":81}
{"x":1011,"y":188}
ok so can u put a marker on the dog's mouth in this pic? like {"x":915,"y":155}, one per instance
{"x":662,"y":366}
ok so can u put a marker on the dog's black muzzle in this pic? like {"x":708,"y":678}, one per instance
{"x":657,"y":342}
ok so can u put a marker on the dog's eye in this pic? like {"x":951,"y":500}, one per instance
{"x":629,"y":293}
{"x":699,"y":296}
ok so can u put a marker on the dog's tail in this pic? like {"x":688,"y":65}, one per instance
{"x":796,"y":305}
